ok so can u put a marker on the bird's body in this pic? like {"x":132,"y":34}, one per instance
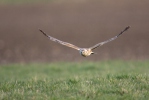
{"x":84,"y":51}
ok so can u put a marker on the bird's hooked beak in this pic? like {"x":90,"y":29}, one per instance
{"x":93,"y":53}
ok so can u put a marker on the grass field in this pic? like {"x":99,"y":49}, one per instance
{"x":104,"y":80}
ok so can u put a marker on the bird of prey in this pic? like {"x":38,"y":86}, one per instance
{"x":84,"y":51}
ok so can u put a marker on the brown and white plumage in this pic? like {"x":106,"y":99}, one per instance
{"x":84,"y":51}
{"x":61,"y":42}
{"x":104,"y":42}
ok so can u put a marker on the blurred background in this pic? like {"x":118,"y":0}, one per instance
{"x":80,"y":22}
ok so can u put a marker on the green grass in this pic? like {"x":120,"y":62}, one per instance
{"x":104,"y":80}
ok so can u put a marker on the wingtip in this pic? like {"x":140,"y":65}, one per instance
{"x":43,"y":32}
{"x":40,"y":30}
{"x":127,"y":27}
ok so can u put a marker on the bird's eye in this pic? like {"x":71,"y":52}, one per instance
{"x":83,"y":52}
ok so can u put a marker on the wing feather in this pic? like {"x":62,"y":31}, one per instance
{"x":104,"y":42}
{"x":60,"y":42}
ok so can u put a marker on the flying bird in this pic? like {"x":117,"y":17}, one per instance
{"x":84,"y":51}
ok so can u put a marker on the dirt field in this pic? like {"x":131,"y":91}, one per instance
{"x":83,"y":23}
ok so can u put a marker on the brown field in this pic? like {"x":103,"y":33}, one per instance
{"x":83,"y":23}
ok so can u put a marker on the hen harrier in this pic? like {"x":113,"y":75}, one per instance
{"x":84,"y":51}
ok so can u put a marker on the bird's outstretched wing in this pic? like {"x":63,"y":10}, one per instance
{"x":60,"y":42}
{"x":102,"y":43}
